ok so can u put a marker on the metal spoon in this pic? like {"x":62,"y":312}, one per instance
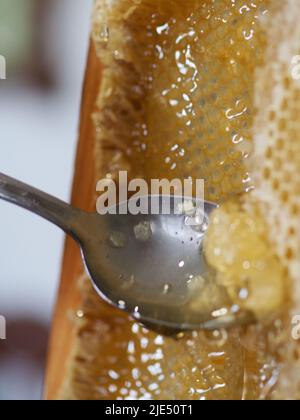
{"x":151,"y":266}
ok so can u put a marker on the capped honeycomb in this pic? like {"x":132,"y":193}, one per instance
{"x":277,"y":166}
{"x":177,"y":100}
{"x":276,"y":141}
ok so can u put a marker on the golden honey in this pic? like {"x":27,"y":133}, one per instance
{"x":237,"y":247}
{"x":177,"y":100}
{"x":185,"y":102}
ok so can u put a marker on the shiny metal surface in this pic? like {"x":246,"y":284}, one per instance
{"x":144,"y":264}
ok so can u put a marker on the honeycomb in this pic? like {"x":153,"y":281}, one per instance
{"x":180,"y":92}
{"x":277,"y":170}
{"x":276,"y":143}
{"x":118,"y":359}
{"x":177,"y":100}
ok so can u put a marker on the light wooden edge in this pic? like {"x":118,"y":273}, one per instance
{"x":63,"y":332}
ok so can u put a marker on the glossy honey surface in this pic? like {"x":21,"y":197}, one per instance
{"x":189,"y":108}
{"x":177,"y":101}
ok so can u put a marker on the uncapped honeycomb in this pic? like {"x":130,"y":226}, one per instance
{"x":118,"y":359}
{"x":178,"y":91}
{"x":177,"y":99}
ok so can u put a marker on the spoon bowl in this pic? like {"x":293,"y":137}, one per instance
{"x":149,"y":263}
{"x":145,"y":264}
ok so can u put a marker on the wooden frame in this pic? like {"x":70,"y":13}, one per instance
{"x":63,"y":331}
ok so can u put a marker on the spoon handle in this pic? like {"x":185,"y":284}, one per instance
{"x":40,"y":203}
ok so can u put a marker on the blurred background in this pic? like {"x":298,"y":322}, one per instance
{"x":45,"y":45}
